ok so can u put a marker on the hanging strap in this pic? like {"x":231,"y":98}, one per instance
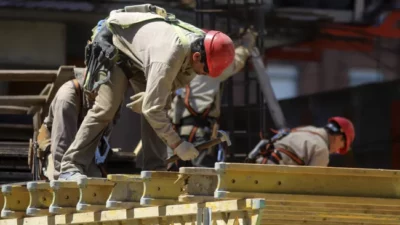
{"x":194,"y":113}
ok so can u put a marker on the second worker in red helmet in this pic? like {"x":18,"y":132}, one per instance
{"x":308,"y":145}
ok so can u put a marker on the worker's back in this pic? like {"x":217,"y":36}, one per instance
{"x":309,"y":143}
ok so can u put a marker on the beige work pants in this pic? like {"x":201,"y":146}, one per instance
{"x":82,"y":150}
{"x":63,"y":122}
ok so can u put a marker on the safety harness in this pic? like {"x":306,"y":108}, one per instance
{"x":270,"y":152}
{"x":199,"y":120}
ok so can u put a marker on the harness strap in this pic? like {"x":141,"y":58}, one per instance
{"x":275,"y":156}
{"x":291,"y":155}
{"x":194,"y":113}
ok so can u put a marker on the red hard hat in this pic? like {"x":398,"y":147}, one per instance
{"x":347,"y":129}
{"x":220,"y":52}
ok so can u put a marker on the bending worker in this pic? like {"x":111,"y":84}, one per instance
{"x":195,"y":109}
{"x":66,"y":112}
{"x":152,"y":50}
{"x":307,"y":145}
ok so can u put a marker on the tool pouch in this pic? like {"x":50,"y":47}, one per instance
{"x":43,"y":141}
{"x":100,"y":57}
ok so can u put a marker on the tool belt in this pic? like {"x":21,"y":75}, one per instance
{"x":100,"y":57}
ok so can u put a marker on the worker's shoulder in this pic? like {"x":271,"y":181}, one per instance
{"x":307,"y":136}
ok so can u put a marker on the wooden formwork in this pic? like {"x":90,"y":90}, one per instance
{"x":229,"y":193}
{"x":314,"y":195}
{"x":116,"y":200}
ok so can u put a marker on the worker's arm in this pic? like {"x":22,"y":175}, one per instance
{"x":241,"y":55}
{"x":160,"y":77}
{"x":242,"y":52}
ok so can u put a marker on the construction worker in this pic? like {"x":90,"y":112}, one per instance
{"x":156,"y":53}
{"x":307,"y":145}
{"x":66,"y":112}
{"x":195,"y":109}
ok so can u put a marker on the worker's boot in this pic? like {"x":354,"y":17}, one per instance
{"x":71,"y":176}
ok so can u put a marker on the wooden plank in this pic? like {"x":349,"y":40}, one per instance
{"x":244,"y":212}
{"x":16,"y":200}
{"x":160,"y":188}
{"x":126,"y":193}
{"x":65,"y":197}
{"x":15,"y":110}
{"x":41,"y":196}
{"x":28,"y":75}
{"x":94,"y":193}
{"x":1,"y":200}
{"x":22,"y":100}
{"x":199,"y":184}
{"x":302,"y":180}
{"x":34,"y":109}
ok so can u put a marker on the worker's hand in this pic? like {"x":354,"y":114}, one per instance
{"x":186,"y":151}
{"x":137,"y":102}
{"x":249,"y":38}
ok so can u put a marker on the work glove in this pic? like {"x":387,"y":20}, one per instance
{"x":186,"y":151}
{"x":137,"y":102}
{"x":249,"y":39}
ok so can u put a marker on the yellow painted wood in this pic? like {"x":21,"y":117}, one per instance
{"x":1,"y":200}
{"x":239,"y":212}
{"x":199,"y":184}
{"x":41,"y":196}
{"x":322,"y":218}
{"x":245,"y":178}
{"x":65,"y":197}
{"x":94,"y":193}
{"x":16,"y":200}
{"x":126,"y":193}
{"x":160,"y":188}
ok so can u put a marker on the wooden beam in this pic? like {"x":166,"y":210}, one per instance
{"x":126,"y":193}
{"x":306,"y":180}
{"x":94,"y":193}
{"x":41,"y":196}
{"x":16,"y":110}
{"x":22,"y":100}
{"x":65,"y":197}
{"x":160,"y":188}
{"x":243,"y":212}
{"x":28,"y":75}
{"x":16,"y":200}
{"x":199,"y":184}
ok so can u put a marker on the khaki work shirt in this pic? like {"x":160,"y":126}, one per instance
{"x":162,"y":60}
{"x":313,"y":149}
